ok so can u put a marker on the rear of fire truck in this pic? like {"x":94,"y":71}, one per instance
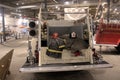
{"x":63,"y":45}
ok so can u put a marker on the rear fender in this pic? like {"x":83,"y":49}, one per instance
{"x":118,"y":43}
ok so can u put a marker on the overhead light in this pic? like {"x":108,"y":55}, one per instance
{"x":85,"y":2}
{"x":23,"y":3}
{"x":56,"y":7}
{"x":66,"y":3}
{"x":117,"y":13}
{"x":30,"y":6}
{"x":55,"y":1}
{"x":20,"y":14}
{"x":115,"y":9}
{"x":16,"y":14}
{"x":17,"y":3}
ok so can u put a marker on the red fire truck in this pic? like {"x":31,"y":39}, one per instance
{"x":108,"y":34}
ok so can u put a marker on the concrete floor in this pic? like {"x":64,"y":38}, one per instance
{"x":19,"y":57}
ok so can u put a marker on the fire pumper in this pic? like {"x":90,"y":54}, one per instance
{"x":108,"y":34}
{"x":62,"y":45}
{"x":108,"y":29}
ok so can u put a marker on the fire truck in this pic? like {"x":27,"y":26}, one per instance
{"x":108,"y":35}
{"x":73,"y":48}
{"x":108,"y":28}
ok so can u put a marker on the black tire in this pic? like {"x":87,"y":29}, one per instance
{"x":118,"y":47}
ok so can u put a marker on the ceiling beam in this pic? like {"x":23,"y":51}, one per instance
{"x":5,"y":6}
{"x":28,"y":6}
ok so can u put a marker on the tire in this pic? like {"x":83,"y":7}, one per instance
{"x":118,"y":47}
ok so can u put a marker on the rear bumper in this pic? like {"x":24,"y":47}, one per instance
{"x":112,"y":45}
{"x":27,"y":68}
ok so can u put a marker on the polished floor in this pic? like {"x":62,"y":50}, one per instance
{"x":20,"y":52}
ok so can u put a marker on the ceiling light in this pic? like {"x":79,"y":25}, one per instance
{"x":115,"y":9}
{"x":30,"y":6}
{"x":23,"y":3}
{"x":16,"y":14}
{"x":117,"y":13}
{"x":56,"y":7}
{"x":55,"y":1}
{"x":17,"y":3}
{"x":20,"y":14}
{"x":66,"y":3}
{"x":85,"y":2}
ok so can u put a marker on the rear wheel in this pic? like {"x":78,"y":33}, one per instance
{"x":118,"y":47}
